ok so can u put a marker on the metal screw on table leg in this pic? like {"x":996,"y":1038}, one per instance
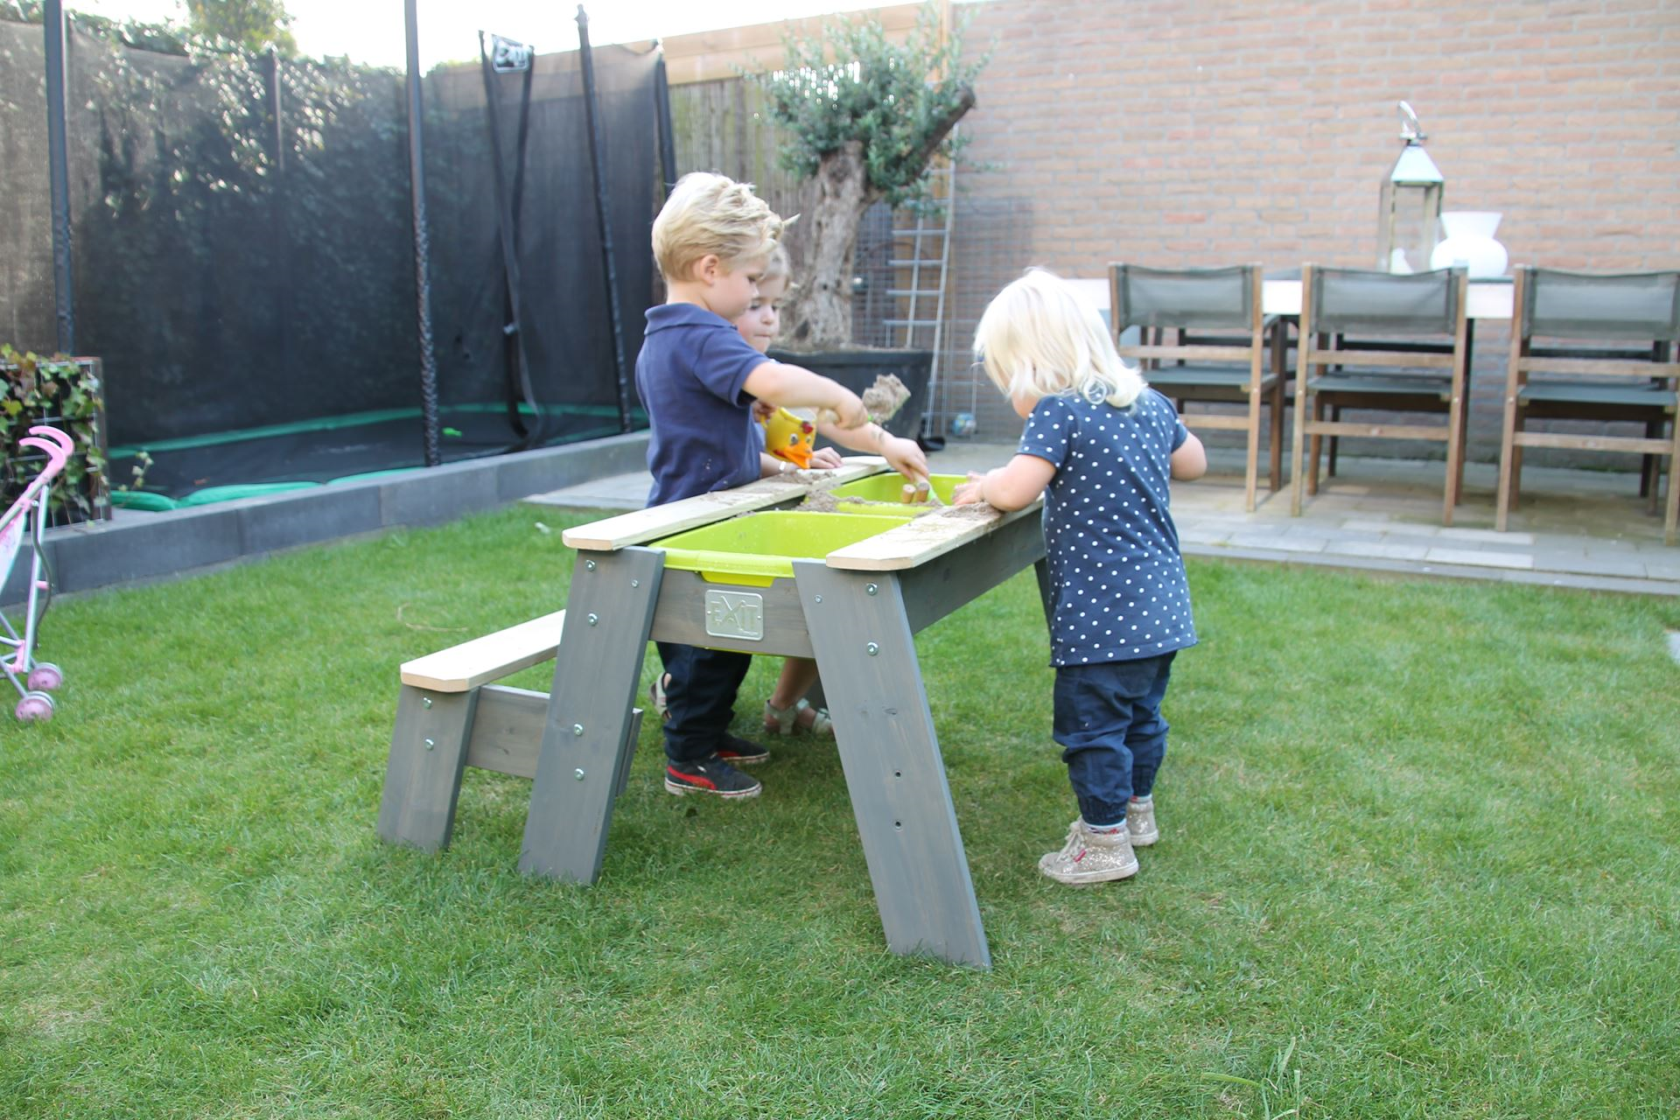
{"x":594,"y":618}
{"x":872,"y":648}
{"x":872,"y":589}
{"x":590,"y":564}
{"x":577,"y":729}
{"x":635,"y":583}
{"x":816,"y":599}
{"x":430,"y":743}
{"x":426,"y":700}
{"x":578,"y":774}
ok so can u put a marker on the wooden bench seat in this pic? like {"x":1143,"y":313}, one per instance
{"x":466,"y":666}
{"x":450,"y":716}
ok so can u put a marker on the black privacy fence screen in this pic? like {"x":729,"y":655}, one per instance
{"x":244,"y":261}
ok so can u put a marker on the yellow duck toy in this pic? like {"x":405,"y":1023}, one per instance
{"x":790,"y":437}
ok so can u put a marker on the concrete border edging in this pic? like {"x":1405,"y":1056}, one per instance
{"x":139,"y":546}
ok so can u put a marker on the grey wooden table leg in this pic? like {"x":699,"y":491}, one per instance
{"x":1041,"y":569}
{"x":586,"y":741}
{"x":423,"y":771}
{"x":891,"y":759}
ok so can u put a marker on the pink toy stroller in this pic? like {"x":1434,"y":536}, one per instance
{"x":33,"y":679}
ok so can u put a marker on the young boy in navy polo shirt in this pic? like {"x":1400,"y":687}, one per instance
{"x":698,"y":378}
{"x":1100,"y":445}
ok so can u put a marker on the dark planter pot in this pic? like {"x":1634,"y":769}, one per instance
{"x":858,"y":369}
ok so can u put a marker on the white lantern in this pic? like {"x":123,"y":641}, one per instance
{"x":1409,"y":216}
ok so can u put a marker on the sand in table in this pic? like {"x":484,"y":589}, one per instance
{"x":883,"y":399}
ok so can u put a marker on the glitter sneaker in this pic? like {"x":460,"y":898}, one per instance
{"x":1091,"y":857}
{"x":1140,"y":823}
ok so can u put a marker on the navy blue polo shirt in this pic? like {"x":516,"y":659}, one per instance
{"x":692,"y":376}
{"x":1117,"y":581}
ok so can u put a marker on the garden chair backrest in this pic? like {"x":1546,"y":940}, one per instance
{"x":1632,"y":306}
{"x":1184,"y":298}
{"x":1359,"y":301}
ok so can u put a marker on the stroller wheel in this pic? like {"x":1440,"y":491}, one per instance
{"x":45,"y":677}
{"x":34,"y":706}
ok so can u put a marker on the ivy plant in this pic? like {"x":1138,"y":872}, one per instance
{"x":67,"y":395}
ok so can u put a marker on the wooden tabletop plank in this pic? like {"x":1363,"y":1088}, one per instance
{"x":916,"y":542}
{"x":652,"y":524}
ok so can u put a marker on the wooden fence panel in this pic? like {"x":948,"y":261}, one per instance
{"x":720,"y":126}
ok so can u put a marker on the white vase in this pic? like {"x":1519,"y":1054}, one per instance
{"x":1470,"y":242}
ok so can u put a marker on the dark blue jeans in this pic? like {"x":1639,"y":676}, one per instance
{"x":700,"y":697}
{"x":1108,"y":722}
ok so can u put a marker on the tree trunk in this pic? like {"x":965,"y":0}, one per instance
{"x":820,"y":245}
{"x":818,"y":313}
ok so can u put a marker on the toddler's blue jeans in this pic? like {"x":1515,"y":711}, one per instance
{"x":1113,"y":738}
{"x":700,"y":698}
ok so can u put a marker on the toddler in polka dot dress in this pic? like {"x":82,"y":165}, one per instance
{"x":1100,"y":445}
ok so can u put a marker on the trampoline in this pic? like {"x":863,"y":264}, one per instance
{"x":256,"y":314}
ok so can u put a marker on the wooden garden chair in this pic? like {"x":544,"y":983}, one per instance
{"x":1420,"y":364}
{"x":1223,"y":362}
{"x":1634,"y":380}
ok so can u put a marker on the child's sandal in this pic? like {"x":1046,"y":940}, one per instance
{"x":785,"y":721}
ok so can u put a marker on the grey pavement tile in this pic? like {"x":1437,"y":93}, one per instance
{"x":1377,"y":549}
{"x":1490,"y":536}
{"x":1632,"y":569}
{"x":1480,"y":558}
{"x":1340,"y":534}
{"x":1405,"y":528}
{"x":1269,"y":531}
{"x":1279,"y":542}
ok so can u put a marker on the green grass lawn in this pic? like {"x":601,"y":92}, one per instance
{"x":1418,"y":859}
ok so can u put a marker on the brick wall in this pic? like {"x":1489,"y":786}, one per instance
{"x":1165,"y":132}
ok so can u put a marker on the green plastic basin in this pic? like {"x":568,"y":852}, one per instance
{"x":889,"y":488}
{"x":760,"y":547}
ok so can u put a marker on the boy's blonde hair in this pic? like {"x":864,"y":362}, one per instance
{"x":1038,"y":339}
{"x":707,"y":214}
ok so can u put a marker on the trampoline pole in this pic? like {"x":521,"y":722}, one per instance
{"x":422,"y":249}
{"x":602,"y":217}
{"x":513,"y":340}
{"x":662,"y":121}
{"x":58,"y":159}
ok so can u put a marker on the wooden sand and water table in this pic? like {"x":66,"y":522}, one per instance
{"x":848,"y":587}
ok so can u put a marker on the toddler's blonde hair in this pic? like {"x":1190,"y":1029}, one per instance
{"x":777,"y":267}
{"x":707,"y":214}
{"x":1037,"y":339}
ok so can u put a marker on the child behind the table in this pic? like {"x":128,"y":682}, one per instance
{"x":787,"y":710}
{"x":1100,"y":446}
{"x":698,"y":378}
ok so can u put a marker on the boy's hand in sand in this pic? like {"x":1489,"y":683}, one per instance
{"x":905,"y":457}
{"x":969,"y":492}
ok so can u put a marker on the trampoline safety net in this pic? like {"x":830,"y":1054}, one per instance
{"x":244,"y":261}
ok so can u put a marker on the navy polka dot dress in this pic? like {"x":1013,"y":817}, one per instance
{"x":1117,"y":580}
